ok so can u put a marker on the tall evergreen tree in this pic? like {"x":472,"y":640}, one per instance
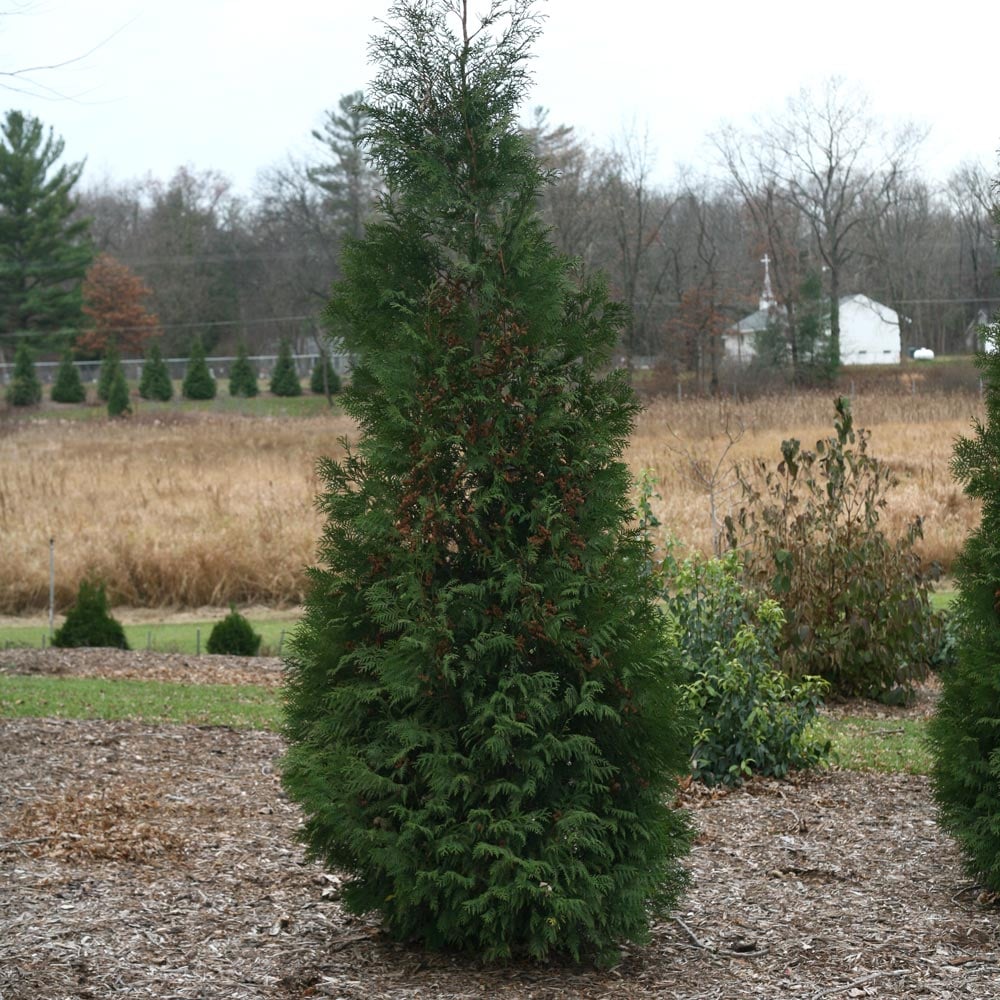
{"x":483,"y":719}
{"x":965,"y":731}
{"x":285,"y":377}
{"x":198,"y":381}
{"x":242,"y":376}
{"x":24,"y":388}
{"x":119,"y":402}
{"x":155,"y":382}
{"x":67,"y":387}
{"x":324,"y":380}
{"x":44,"y":247}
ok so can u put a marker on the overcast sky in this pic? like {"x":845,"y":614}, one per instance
{"x":236,"y":85}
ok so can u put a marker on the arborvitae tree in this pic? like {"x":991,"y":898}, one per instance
{"x":324,"y":381}
{"x":965,"y":731}
{"x":111,"y":365}
{"x":233,"y":636}
{"x":67,"y":387}
{"x":119,"y":403}
{"x":155,"y":382}
{"x":89,"y":622}
{"x":284,"y":378}
{"x":198,"y":382}
{"x":24,"y":388}
{"x":44,"y":246}
{"x":242,"y":376}
{"x":481,"y":709}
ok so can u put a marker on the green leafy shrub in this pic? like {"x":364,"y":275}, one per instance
{"x":89,"y":622}
{"x":198,"y":382}
{"x":67,"y":387}
{"x":856,"y":604}
{"x":242,"y":376}
{"x":483,"y":718}
{"x":324,"y":381}
{"x":233,"y":636}
{"x":751,"y":717}
{"x":155,"y":382}
{"x":965,"y":730}
{"x":25,"y":389}
{"x":284,"y":378}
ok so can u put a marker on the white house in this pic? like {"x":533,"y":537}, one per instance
{"x":869,"y":330}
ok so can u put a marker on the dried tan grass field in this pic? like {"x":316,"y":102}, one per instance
{"x":207,"y":509}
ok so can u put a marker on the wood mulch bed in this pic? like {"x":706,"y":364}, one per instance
{"x":160,"y":862}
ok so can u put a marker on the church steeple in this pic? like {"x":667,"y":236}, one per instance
{"x":767,"y":300}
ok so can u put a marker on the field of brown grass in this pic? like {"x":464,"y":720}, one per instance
{"x":205,"y":509}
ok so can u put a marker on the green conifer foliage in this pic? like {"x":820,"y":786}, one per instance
{"x":111,"y":365}
{"x":284,"y":378}
{"x":198,"y":382}
{"x":89,"y":622}
{"x":324,"y":381}
{"x":965,"y":731}
{"x":67,"y":387}
{"x":155,"y":382}
{"x":482,"y":710}
{"x":233,"y":636}
{"x":24,"y":388}
{"x":119,"y":403}
{"x":242,"y":376}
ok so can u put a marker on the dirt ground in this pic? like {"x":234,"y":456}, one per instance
{"x":160,"y":862}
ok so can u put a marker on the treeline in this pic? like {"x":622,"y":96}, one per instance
{"x":834,"y":199}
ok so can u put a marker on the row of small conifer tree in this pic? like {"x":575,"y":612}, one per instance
{"x":155,"y":383}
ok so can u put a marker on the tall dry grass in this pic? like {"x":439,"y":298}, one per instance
{"x":208,"y":509}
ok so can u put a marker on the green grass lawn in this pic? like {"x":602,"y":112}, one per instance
{"x":239,"y":706}
{"x":886,"y":745}
{"x":186,"y":638}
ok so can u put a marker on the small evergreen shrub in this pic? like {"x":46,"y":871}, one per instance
{"x":751,"y":718}
{"x":155,"y":382}
{"x":284,"y":378}
{"x":856,"y":604}
{"x":68,"y":387}
{"x":119,"y":403}
{"x":198,"y":382}
{"x":965,"y":730}
{"x":110,"y":367}
{"x":25,"y":389}
{"x":242,"y":376}
{"x":324,"y":380}
{"x":89,"y":622}
{"x":233,"y":636}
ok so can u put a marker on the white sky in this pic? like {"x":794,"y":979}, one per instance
{"x":235,"y":85}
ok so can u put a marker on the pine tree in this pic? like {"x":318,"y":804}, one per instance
{"x":110,"y":366}
{"x":324,"y":381}
{"x":155,"y":382}
{"x":67,"y":387}
{"x":44,"y":246}
{"x":119,"y":402}
{"x":198,"y":382}
{"x":965,"y":731}
{"x":482,"y":710}
{"x":242,"y":376}
{"x":24,"y":388}
{"x":285,"y":378}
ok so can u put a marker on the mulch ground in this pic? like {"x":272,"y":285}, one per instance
{"x":160,"y":862}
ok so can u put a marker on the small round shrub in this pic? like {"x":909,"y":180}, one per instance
{"x":89,"y":622}
{"x":284,"y":378}
{"x":233,"y":636}
{"x":67,"y":387}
